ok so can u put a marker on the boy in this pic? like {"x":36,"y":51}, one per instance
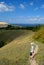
{"x":32,"y":49}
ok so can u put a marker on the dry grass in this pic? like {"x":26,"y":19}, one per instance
{"x":39,"y":36}
{"x":40,"y":56}
{"x":10,"y":35}
{"x":17,"y":51}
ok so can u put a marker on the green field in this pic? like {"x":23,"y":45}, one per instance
{"x":10,"y":35}
{"x":39,"y":37}
{"x":40,"y":55}
{"x":16,"y":50}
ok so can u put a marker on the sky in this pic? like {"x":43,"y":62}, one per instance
{"x":22,"y":11}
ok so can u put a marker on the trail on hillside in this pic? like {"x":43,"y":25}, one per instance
{"x":32,"y":61}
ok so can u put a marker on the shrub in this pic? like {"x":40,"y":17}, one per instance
{"x":1,"y":44}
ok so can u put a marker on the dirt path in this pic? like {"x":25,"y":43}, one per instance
{"x":32,"y":61}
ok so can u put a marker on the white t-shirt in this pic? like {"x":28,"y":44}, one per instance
{"x":32,"y":49}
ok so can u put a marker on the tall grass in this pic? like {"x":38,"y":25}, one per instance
{"x":40,"y":55}
{"x":39,"y":36}
{"x":16,"y":53}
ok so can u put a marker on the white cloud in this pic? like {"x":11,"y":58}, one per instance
{"x":31,"y":3}
{"x":26,"y":19}
{"x":29,"y":19}
{"x":5,"y":7}
{"x":36,"y":19}
{"x":36,"y":8}
{"x":22,"y":6}
{"x":42,"y":6}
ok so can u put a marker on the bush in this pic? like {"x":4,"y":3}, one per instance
{"x":1,"y":44}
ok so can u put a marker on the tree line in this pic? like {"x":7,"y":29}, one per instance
{"x":33,"y":28}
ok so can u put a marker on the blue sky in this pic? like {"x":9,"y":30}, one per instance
{"x":22,"y":11}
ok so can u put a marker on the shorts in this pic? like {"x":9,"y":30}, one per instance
{"x":30,"y":53}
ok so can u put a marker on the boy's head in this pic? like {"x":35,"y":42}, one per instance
{"x":32,"y":43}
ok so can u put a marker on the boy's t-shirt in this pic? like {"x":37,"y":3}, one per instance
{"x":32,"y":49}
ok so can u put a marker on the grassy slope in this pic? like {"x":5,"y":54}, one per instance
{"x":40,"y":55}
{"x":9,"y":35}
{"x":17,"y":51}
{"x":39,"y":36}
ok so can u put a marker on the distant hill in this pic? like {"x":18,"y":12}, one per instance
{"x":3,"y":24}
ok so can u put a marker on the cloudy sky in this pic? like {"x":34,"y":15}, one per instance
{"x":22,"y":11}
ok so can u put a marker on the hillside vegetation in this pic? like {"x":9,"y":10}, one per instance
{"x":40,"y":55}
{"x":16,"y":52}
{"x":39,"y":35}
{"x":7,"y":36}
{"x":39,"y":40}
{"x":16,"y":48}
{"x":15,"y":27}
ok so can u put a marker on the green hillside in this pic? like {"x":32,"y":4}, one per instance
{"x":39,"y":35}
{"x":40,"y":55}
{"x":16,"y":52}
{"x":17,"y":46}
{"x":39,"y":40}
{"x":9,"y":35}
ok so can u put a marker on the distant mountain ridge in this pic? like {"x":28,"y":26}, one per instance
{"x":3,"y":24}
{"x":24,"y":25}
